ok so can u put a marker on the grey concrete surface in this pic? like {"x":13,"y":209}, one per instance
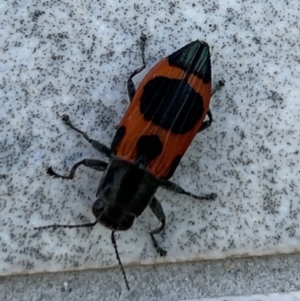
{"x":240,"y":276}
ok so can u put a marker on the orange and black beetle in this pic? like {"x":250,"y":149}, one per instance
{"x":165,"y":113}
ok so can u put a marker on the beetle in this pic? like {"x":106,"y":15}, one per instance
{"x":165,"y":113}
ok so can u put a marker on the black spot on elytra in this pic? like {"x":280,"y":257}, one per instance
{"x":148,"y":148}
{"x":193,"y":58}
{"x":171,"y":104}
{"x":118,"y":137}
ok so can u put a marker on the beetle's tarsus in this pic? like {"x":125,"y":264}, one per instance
{"x":130,"y":85}
{"x":213,"y":196}
{"x":66,"y":119}
{"x":221,"y":83}
{"x":203,"y":197}
{"x":142,"y":43}
{"x":159,"y":250}
{"x":52,"y":173}
{"x":178,"y":189}
{"x":206,"y":124}
{"x":158,"y":211}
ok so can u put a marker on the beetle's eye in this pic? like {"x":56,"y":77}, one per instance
{"x":107,"y":191}
{"x":97,"y":208}
{"x":127,"y":222}
{"x":99,"y":204}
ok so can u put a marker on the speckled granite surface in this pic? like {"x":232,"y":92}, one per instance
{"x":75,"y":57}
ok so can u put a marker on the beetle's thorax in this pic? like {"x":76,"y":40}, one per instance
{"x":124,"y":192}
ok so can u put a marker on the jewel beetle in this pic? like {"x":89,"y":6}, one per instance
{"x":164,"y":115}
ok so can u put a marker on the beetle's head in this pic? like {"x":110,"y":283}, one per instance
{"x":111,"y":214}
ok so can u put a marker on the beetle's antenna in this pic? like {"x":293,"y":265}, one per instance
{"x":113,"y":240}
{"x":68,"y":226}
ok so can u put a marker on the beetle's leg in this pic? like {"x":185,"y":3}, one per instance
{"x":206,"y":124}
{"x":158,"y":211}
{"x":96,"y":144}
{"x":94,"y":164}
{"x":176,"y":188}
{"x":130,"y":84}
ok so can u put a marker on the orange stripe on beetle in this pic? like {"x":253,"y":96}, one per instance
{"x":167,"y":111}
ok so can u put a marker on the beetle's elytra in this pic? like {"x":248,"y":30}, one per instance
{"x":164,"y":115}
